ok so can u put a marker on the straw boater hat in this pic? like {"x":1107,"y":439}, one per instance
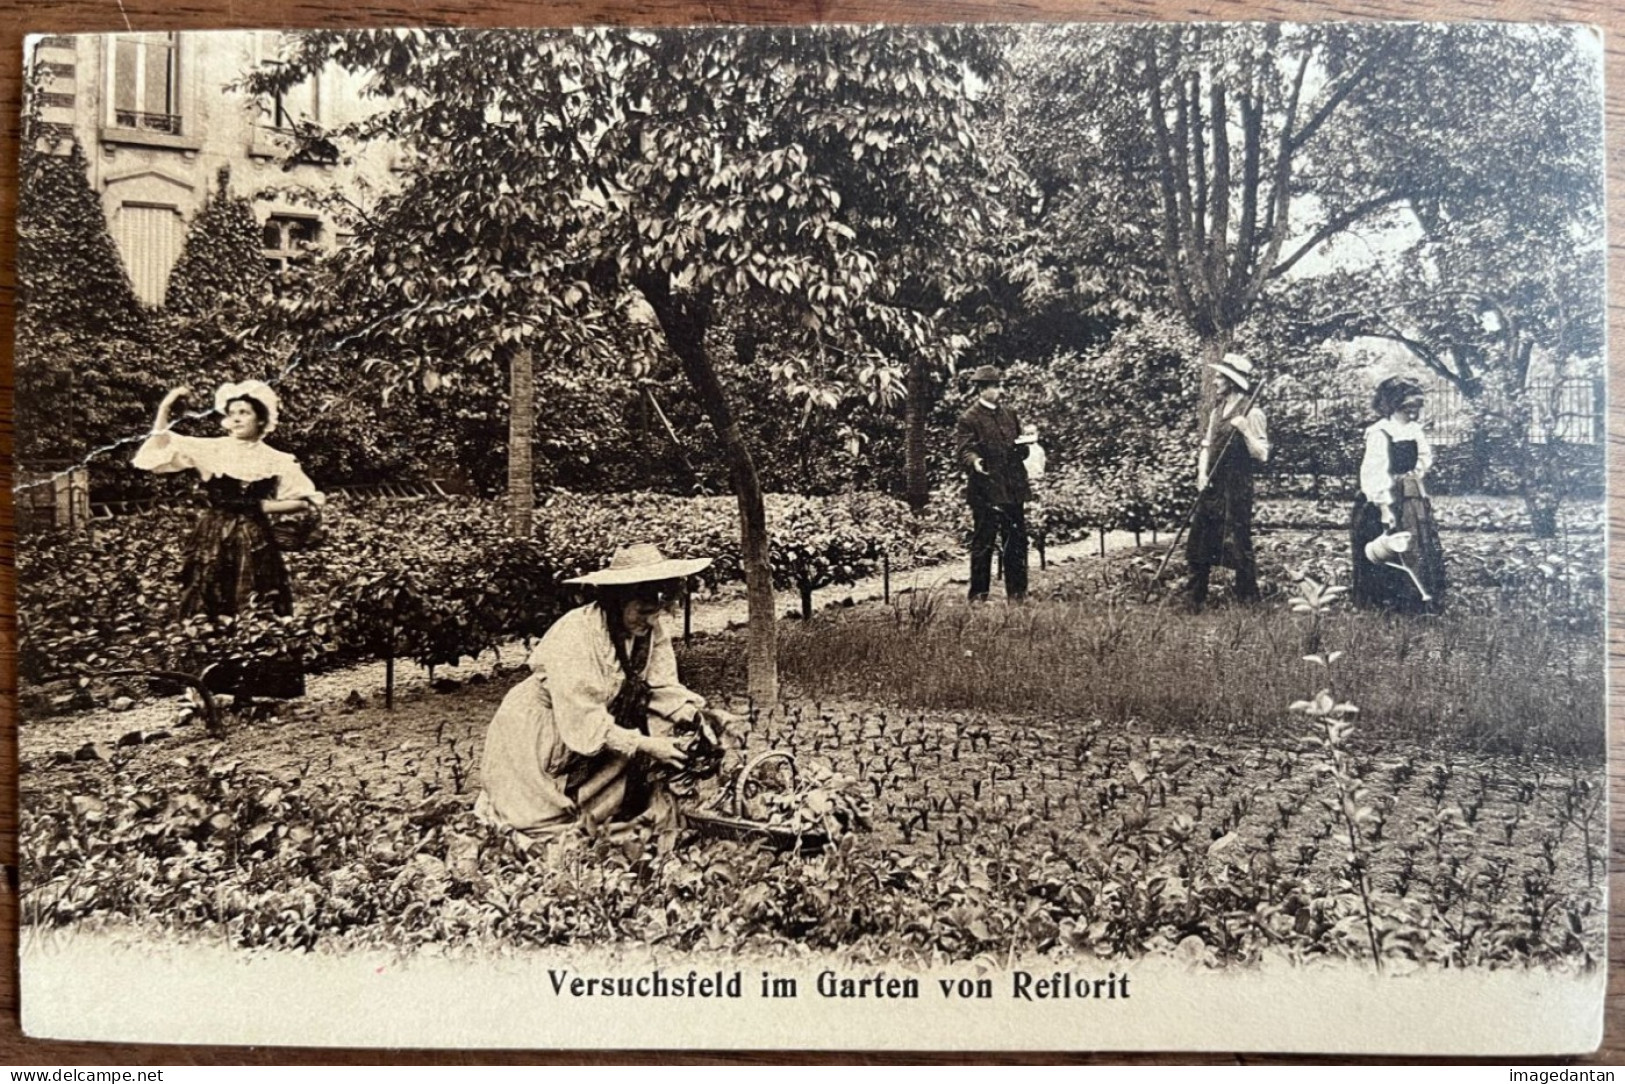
{"x":1237,"y":368}
{"x":987,"y":374}
{"x":641,"y":563}
{"x":257,"y":390}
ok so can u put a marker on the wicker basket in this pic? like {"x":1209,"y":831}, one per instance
{"x":296,"y":531}
{"x":735,"y":825}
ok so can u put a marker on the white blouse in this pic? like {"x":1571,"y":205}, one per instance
{"x":244,"y":460}
{"x":1375,"y":481}
{"x":578,"y":674}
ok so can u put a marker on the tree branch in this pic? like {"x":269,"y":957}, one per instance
{"x":1218,"y":247}
{"x":1276,"y":218}
{"x":1192,"y":102}
{"x":1238,"y":290}
{"x":1171,"y":240}
{"x":1336,"y":98}
{"x":1332,"y":227}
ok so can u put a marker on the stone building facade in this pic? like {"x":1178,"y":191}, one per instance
{"x":159,"y":114}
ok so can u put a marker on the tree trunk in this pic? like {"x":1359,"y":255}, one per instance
{"x":521,"y":433}
{"x":685,"y":325}
{"x":1477,"y":475}
{"x":1212,"y":351}
{"x":915,"y":408}
{"x":1540,"y":474}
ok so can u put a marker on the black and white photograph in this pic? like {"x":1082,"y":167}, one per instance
{"x":940,"y":538}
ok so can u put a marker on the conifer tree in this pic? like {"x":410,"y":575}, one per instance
{"x":69,"y":274}
{"x":221,"y":277}
{"x":77,"y":313}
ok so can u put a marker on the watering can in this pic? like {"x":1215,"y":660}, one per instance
{"x":1388,"y":549}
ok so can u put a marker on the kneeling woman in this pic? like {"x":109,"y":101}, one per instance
{"x":574,"y":742}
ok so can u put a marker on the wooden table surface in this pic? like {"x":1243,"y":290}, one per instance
{"x":84,"y":16}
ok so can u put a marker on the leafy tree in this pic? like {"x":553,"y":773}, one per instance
{"x":1504,"y":275}
{"x":70,"y":275}
{"x":575,"y":186}
{"x":1110,"y":466}
{"x":1203,"y":163}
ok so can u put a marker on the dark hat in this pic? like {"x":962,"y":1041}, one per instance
{"x":1392,"y":392}
{"x":987,"y":374}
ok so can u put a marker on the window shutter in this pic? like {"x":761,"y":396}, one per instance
{"x":150,"y":238}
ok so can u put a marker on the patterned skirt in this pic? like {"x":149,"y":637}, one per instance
{"x":232,"y":566}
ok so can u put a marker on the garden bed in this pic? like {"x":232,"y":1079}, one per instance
{"x":1086,"y":775}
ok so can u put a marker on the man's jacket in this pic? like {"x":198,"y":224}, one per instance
{"x":989,"y":435}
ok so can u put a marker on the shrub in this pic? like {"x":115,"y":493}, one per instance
{"x":432,"y":581}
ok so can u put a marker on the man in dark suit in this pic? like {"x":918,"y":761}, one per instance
{"x":985,"y":442}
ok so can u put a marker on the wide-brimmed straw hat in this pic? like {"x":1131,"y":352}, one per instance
{"x":1237,"y":367}
{"x":257,"y":390}
{"x":987,"y":374}
{"x":641,"y":563}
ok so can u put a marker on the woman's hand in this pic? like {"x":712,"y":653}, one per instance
{"x":1388,"y":518}
{"x":161,"y":422}
{"x":724,"y":721}
{"x":662,"y":750}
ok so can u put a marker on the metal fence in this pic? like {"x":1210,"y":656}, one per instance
{"x":1579,"y":408}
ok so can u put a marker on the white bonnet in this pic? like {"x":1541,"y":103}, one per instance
{"x":257,"y":390}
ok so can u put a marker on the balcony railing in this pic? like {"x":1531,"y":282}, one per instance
{"x":168,"y":123}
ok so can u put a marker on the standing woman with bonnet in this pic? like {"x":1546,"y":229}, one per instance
{"x":232,"y":558}
{"x":1404,"y":571}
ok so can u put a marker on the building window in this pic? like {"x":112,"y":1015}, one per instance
{"x":146,"y":82}
{"x":150,"y":237}
{"x":289,"y":242}
{"x":295,"y":106}
{"x":291,"y":108}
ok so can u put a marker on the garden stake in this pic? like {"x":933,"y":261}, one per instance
{"x":1190,"y":516}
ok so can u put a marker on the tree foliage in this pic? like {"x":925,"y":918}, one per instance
{"x":220,"y":268}
{"x":578,"y":188}
{"x":70,"y":275}
{"x":1503,"y":278}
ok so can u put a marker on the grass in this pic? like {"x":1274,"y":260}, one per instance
{"x":1513,"y":685}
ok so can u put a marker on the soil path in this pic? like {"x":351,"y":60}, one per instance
{"x":364,"y":682}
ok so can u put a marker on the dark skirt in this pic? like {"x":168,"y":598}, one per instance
{"x":233,"y":565}
{"x":1381,"y":587}
{"x":1222,"y":527}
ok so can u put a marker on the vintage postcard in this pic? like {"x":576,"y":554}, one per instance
{"x":958,"y":537}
